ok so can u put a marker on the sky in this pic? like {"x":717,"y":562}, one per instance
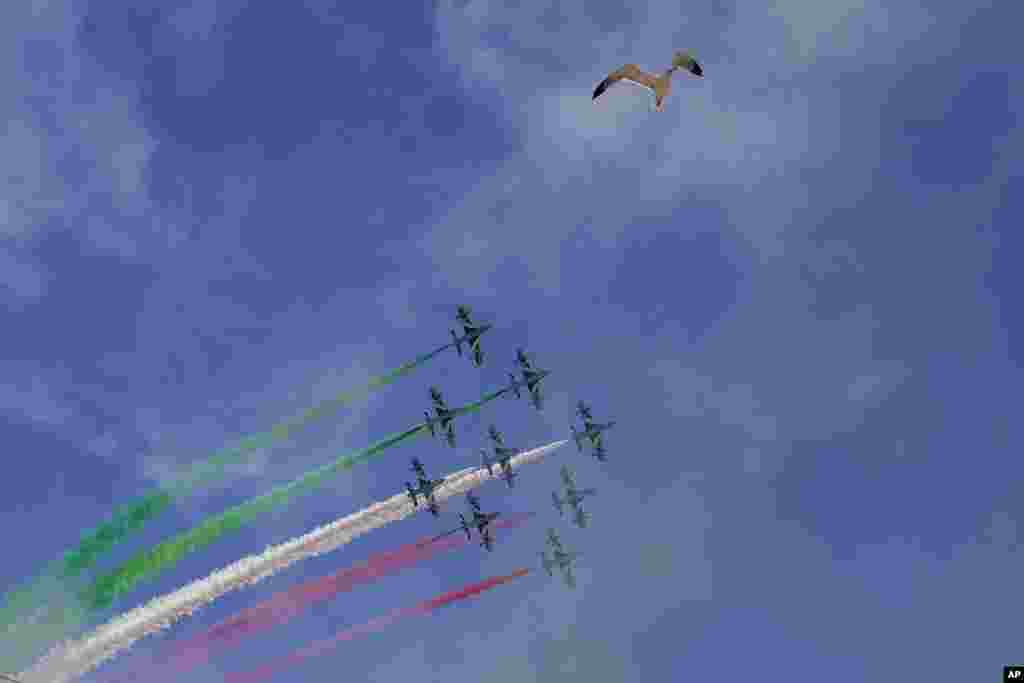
{"x":792,"y":289}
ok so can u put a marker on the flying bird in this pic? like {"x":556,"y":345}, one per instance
{"x":660,"y":85}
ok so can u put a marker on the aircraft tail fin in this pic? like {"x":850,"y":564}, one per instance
{"x":557,"y":502}
{"x":578,"y":437}
{"x":514,"y":385}
{"x":582,"y":518}
{"x":456,"y":341}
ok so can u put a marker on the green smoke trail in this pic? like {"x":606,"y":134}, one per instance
{"x":148,"y":564}
{"x":49,"y":611}
{"x":131,"y":517}
{"x":213,"y":468}
{"x":134,"y":515}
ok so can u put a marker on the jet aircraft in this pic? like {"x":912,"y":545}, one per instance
{"x":481,"y":521}
{"x":503,"y":455}
{"x":560,"y":558}
{"x":591,"y":431}
{"x":573,"y":497}
{"x":583,"y":410}
{"x":443,"y":416}
{"x":425,"y":487}
{"x":8,"y":677}
{"x":530,"y":381}
{"x":472,"y":335}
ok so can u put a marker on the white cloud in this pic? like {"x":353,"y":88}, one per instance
{"x":694,"y":395}
{"x":287,"y":392}
{"x":195,"y":21}
{"x":193,"y":36}
{"x":34,"y":399}
{"x":868,"y":31}
{"x":602,"y":167}
{"x":75,"y":146}
{"x":20,"y":277}
{"x":743,"y":138}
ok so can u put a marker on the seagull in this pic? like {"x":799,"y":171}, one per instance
{"x":658,"y":84}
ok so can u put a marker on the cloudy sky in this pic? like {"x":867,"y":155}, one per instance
{"x":792,"y":288}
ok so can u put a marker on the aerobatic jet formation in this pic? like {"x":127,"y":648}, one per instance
{"x":591,"y":431}
{"x":530,"y":381}
{"x":560,"y":558}
{"x":502,"y":457}
{"x":424,"y":488}
{"x":443,"y":416}
{"x":481,"y":521}
{"x":573,"y":497}
{"x":471,"y":336}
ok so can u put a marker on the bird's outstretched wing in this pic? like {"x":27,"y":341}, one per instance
{"x":629,"y":72}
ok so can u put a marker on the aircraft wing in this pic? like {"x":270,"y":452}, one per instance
{"x":570,"y":579}
{"x":567,"y":477}
{"x":446,"y":534}
{"x":536,"y":399}
{"x":546,"y":561}
{"x":486,"y":462}
{"x":513,"y":385}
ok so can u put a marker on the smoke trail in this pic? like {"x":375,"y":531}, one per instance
{"x":425,"y":607}
{"x":132,"y":516}
{"x":54,"y":613}
{"x":150,"y":563}
{"x":70,"y":659}
{"x":287,"y":604}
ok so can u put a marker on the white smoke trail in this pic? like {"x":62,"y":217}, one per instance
{"x":71,"y":659}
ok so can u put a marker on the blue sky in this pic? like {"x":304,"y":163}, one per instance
{"x":792,"y":288}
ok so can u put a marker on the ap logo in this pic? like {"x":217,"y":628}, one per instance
{"x":1013,"y":673}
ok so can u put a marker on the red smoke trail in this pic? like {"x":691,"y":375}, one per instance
{"x":371,"y":626}
{"x":284,"y":605}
